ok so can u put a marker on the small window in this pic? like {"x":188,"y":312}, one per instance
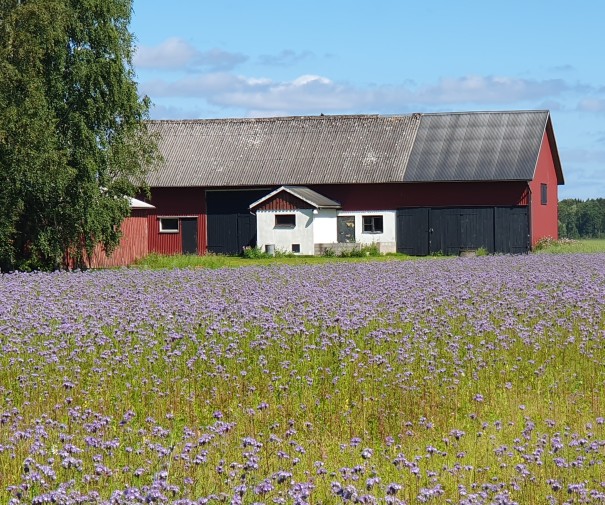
{"x":296,"y":248}
{"x":285,"y":220}
{"x":543,"y":194}
{"x":372,"y":224}
{"x":169,"y":225}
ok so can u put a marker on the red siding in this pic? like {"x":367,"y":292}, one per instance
{"x":393,"y":196}
{"x":544,"y":218}
{"x":132,"y":247}
{"x":191,"y":202}
{"x":177,"y":202}
{"x":284,"y":201}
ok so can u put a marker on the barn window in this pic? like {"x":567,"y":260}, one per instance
{"x":296,"y":248}
{"x":373,"y":224}
{"x":543,"y":194}
{"x":285,"y":220}
{"x":169,"y":225}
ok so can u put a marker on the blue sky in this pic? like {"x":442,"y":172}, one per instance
{"x":253,"y":58}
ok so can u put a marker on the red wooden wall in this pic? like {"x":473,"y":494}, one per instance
{"x":544,"y":218}
{"x":191,"y":202}
{"x":176,"y":202}
{"x":133,"y":245}
{"x":433,"y":194}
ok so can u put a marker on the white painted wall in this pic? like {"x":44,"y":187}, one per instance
{"x":324,"y":226}
{"x":320,"y":228}
{"x":389,"y":221}
{"x":283,"y":238}
{"x":329,"y":235}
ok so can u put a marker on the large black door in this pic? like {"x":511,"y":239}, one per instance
{"x":511,"y":225}
{"x":413,"y":231}
{"x":461,"y":228}
{"x":450,"y":230}
{"x":444,"y":231}
{"x":231,"y":227}
{"x":189,"y":235}
{"x":477,"y":228}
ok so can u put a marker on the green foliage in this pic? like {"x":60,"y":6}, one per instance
{"x":73,"y":142}
{"x":482,"y":251}
{"x":254,"y":253}
{"x":582,"y":219}
{"x":360,"y":252}
{"x":567,"y":245}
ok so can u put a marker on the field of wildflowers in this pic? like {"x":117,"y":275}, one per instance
{"x":456,"y":380}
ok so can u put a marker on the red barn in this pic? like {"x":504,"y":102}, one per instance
{"x":134,"y":243}
{"x":419,"y":183}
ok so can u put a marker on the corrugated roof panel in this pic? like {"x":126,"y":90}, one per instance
{"x":300,"y":150}
{"x":477,"y":146}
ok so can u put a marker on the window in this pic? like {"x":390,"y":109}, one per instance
{"x":285,"y":220}
{"x":543,"y":194}
{"x":296,"y":248}
{"x":372,"y":224}
{"x":169,"y":225}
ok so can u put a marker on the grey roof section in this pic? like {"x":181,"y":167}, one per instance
{"x":477,"y":146}
{"x":308,"y":150}
{"x":285,"y":150}
{"x":313,"y":198}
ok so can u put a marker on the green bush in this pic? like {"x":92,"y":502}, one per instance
{"x":254,"y":253}
{"x":361,"y":251}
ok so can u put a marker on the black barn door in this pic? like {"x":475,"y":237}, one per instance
{"x":450,"y":230}
{"x":511,"y":226}
{"x":413,"y":231}
{"x":231,"y":227}
{"x":461,"y":228}
{"x":189,"y":235}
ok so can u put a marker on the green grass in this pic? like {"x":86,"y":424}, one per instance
{"x":571,"y":246}
{"x":214,"y":261}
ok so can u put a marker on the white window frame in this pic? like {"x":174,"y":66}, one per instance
{"x":170,"y":230}
{"x":285,"y":226}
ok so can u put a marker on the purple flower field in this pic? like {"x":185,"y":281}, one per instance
{"x":467,"y":381}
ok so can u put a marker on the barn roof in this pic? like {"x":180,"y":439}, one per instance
{"x":306,"y":150}
{"x":479,"y":146}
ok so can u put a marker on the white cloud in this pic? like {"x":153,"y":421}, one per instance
{"x":177,"y":54}
{"x":199,"y":86}
{"x":286,"y":57}
{"x":173,"y":53}
{"x":312,"y":94}
{"x":490,"y":89}
{"x":592,"y":105}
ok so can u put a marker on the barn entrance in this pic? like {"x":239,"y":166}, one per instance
{"x":231,"y":226}
{"x":450,"y":230}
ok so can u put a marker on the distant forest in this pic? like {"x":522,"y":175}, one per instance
{"x":582,"y":218}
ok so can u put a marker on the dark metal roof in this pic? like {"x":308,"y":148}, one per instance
{"x":477,"y":146}
{"x":313,"y":198}
{"x":306,"y":150}
{"x":287,"y":150}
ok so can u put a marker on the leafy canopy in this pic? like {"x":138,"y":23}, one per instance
{"x":73,"y":138}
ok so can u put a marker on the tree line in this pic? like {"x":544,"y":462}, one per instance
{"x":74,"y":145}
{"x":582,"y":218}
